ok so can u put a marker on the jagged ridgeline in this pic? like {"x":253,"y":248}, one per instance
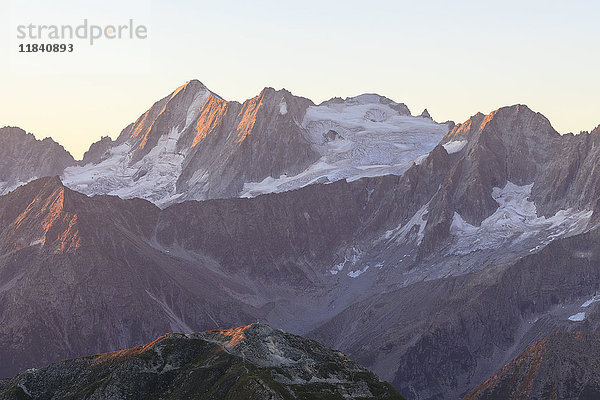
{"x":195,"y":145}
{"x":431,"y":257}
{"x":249,"y":362}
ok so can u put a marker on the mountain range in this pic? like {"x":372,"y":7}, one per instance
{"x":431,"y":253}
{"x":193,"y":145}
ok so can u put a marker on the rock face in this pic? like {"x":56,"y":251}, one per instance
{"x":82,"y":275}
{"x":476,"y":201}
{"x":441,"y":338}
{"x":512,"y":144}
{"x":425,"y":114}
{"x":130,"y":271}
{"x":193,"y":144}
{"x":23,"y":158}
{"x":561,"y":366}
{"x":249,"y":362}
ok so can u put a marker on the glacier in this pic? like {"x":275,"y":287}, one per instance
{"x":357,"y":138}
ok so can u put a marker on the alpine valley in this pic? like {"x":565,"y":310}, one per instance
{"x":450,"y":260}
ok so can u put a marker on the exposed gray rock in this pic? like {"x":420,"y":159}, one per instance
{"x":253,"y":140}
{"x":332,"y":135}
{"x":23,"y":158}
{"x":98,"y":151}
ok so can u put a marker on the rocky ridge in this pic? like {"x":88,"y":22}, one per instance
{"x":24,"y":158}
{"x":195,"y":145}
{"x":248,"y":362}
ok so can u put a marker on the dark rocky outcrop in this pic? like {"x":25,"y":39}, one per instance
{"x":248,"y":362}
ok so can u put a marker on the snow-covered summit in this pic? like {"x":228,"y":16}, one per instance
{"x":193,"y":144}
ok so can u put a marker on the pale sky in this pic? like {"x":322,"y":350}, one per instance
{"x":453,"y":57}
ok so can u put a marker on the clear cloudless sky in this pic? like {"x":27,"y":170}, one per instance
{"x":453,"y":57}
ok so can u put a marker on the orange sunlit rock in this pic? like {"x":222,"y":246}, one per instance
{"x":126,"y":353}
{"x":211,"y":116}
{"x":58,"y":227}
{"x":248,"y":118}
{"x":236,"y":334}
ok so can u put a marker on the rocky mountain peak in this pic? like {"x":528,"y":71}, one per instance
{"x":190,"y":88}
{"x":12,"y":135}
{"x":8,"y":131}
{"x":511,"y":144}
{"x":207,"y":366}
{"x":267,"y":347}
{"x":97,"y":151}
{"x":174,"y":112}
{"x":48,"y":220}
{"x":367,"y":99}
{"x":195,"y":83}
{"x":23,"y":158}
{"x":464,"y":130}
{"x":425,"y":114}
{"x":505,"y":122}
{"x":281,"y":99}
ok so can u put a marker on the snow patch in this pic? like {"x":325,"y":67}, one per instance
{"x":352,"y":257}
{"x":7,"y":187}
{"x":591,"y":301}
{"x":357,"y":273}
{"x":152,"y":178}
{"x":455,"y":146}
{"x":337,"y":268}
{"x":283,"y":107}
{"x":404,"y":233}
{"x":577,"y":317}
{"x":514,"y":221}
{"x":419,"y":160}
{"x":24,"y":389}
{"x":196,"y":106}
